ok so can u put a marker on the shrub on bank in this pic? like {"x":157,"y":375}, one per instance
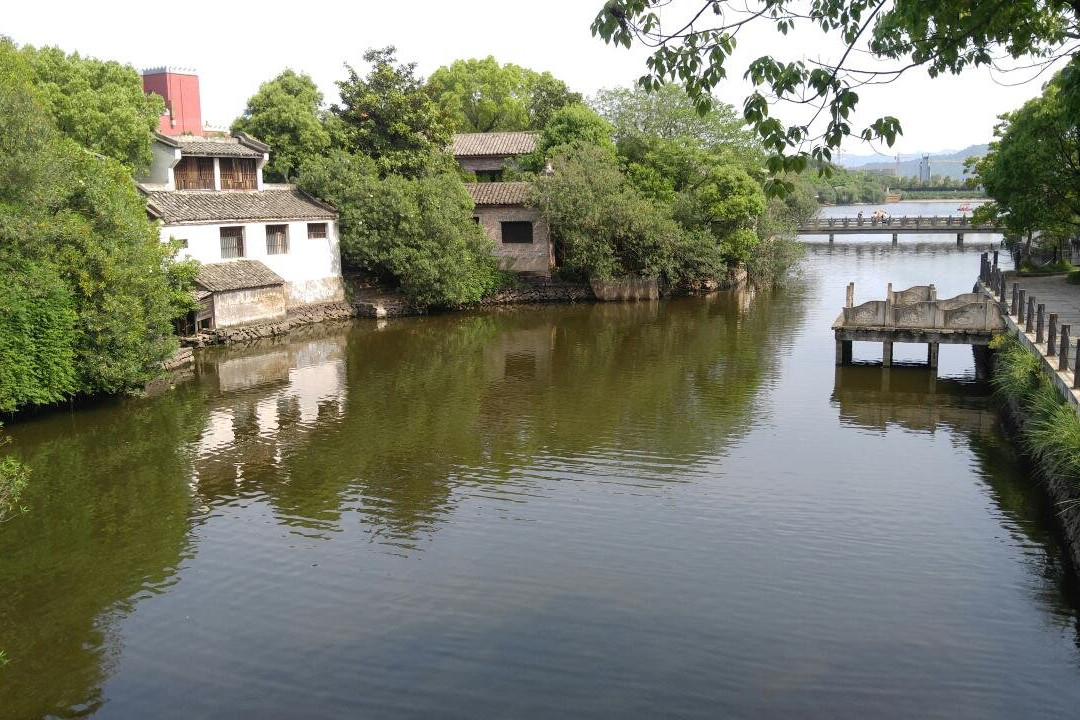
{"x":1051,"y":430}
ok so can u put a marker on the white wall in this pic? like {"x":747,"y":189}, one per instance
{"x":311,"y":269}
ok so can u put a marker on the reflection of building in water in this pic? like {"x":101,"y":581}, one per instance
{"x":913,"y":398}
{"x":266,"y":399}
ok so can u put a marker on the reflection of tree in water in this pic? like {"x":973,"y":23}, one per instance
{"x":442,"y":401}
{"x":916,"y":400}
{"x":108,"y":523}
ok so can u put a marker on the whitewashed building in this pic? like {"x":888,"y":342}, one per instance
{"x":208,"y":193}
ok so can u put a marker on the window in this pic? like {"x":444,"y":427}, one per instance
{"x":489,"y":175}
{"x":316,"y":231}
{"x":238,"y":174}
{"x":277,"y":239}
{"x":232,"y":242}
{"x":476,"y":219}
{"x":194,"y":173}
{"x":517,"y":232}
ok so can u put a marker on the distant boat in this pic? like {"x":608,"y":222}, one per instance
{"x":891,"y":197}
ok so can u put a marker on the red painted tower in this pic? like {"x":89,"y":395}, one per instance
{"x":180,"y":88}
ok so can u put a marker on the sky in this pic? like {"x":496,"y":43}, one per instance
{"x":236,"y":45}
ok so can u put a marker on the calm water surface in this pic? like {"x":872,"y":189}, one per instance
{"x":678,"y":509}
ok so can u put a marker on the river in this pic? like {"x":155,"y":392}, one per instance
{"x":677,"y":509}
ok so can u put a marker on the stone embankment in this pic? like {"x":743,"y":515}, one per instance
{"x":297,"y":317}
{"x":540,"y":290}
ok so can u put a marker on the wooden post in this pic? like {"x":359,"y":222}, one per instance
{"x":1001,"y":290}
{"x":960,"y":240}
{"x":849,"y":300}
{"x":1040,"y":323}
{"x":995,"y":259}
{"x":1029,"y":321}
{"x":886,"y":353}
{"x":830,"y":238}
{"x":1020,"y":306}
{"x":1063,"y":361}
{"x":1015,"y":294}
{"x":895,"y":237}
{"x":1076,"y":370}
{"x":932,"y":355}
{"x":1051,"y":335}
{"x":984,"y":267}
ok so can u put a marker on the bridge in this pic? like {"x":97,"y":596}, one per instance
{"x":915,"y":224}
{"x":916,"y":315}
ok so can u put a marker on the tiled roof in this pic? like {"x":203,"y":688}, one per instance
{"x":493,"y":143}
{"x":499,"y":193}
{"x":236,"y":275}
{"x":239,"y":145}
{"x":283,"y":202}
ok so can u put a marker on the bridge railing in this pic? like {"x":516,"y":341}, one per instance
{"x":919,"y":308}
{"x":904,"y":221}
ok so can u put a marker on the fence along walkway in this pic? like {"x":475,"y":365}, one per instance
{"x":915,"y":315}
{"x":917,"y":224}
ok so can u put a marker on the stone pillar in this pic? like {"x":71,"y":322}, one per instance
{"x":886,"y":353}
{"x":995,"y":259}
{"x":1029,"y":319}
{"x":981,"y":353}
{"x":1040,"y":323}
{"x":959,"y":239}
{"x":895,"y":237}
{"x":1020,"y":305}
{"x":830,"y":238}
{"x":1015,"y":294}
{"x":932,"y":355}
{"x":1051,"y":335}
{"x":1076,"y":369}
{"x":843,"y":352}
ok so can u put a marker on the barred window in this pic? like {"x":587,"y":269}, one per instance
{"x":238,"y":174}
{"x":277,"y":239}
{"x":316,"y":231}
{"x":517,"y":232}
{"x":194,"y":173}
{"x":232,"y":242}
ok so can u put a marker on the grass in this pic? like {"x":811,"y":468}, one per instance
{"x":1051,"y":431}
{"x":1057,"y":266}
{"x":1074,"y":277}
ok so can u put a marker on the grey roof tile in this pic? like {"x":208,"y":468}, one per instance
{"x":236,"y":275}
{"x":499,"y":193}
{"x":493,"y":144}
{"x":283,"y":202}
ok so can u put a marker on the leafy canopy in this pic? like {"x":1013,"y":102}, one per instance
{"x":98,"y":104}
{"x":484,"y":96}
{"x":416,"y":233}
{"x":286,"y":113}
{"x":389,"y":116}
{"x":1032,"y":169}
{"x":694,"y":41}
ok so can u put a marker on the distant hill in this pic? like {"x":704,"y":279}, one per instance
{"x":950,"y":163}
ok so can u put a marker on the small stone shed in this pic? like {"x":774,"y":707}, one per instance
{"x":486,"y":154}
{"x":238,"y":292}
{"x":522,"y":239}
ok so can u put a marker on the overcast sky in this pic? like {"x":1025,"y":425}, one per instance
{"x":234,"y":46}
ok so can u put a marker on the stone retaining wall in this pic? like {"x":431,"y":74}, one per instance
{"x":296,"y":317}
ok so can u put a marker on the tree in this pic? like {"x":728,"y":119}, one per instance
{"x":286,"y":113}
{"x":668,"y":113}
{"x":390,"y":117}
{"x":417,"y":233}
{"x":484,"y":96}
{"x":940,"y":36}
{"x":98,"y":104}
{"x":1032,"y":170}
{"x":85,"y":300}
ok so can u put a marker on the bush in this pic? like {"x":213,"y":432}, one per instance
{"x":13,"y":479}
{"x":415,"y":233}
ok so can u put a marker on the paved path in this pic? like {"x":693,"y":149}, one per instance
{"x":1059,"y":297}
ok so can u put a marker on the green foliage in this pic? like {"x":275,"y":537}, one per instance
{"x":85,"y":287}
{"x":940,"y":36}
{"x":13,"y":480}
{"x":98,"y":104}
{"x":286,"y":113}
{"x":668,"y":113}
{"x":415,"y":232}
{"x":574,"y":124}
{"x":1050,"y":432}
{"x":484,"y":96}
{"x":1032,"y":170}
{"x":726,"y":202}
{"x":389,"y":116}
